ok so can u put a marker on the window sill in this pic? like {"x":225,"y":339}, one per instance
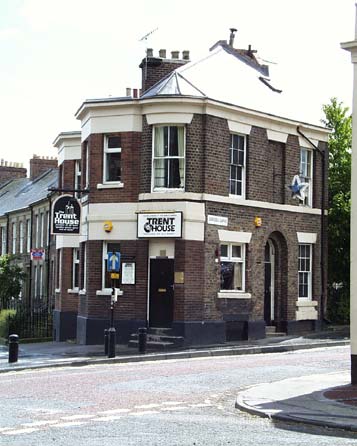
{"x":233,"y":295}
{"x":306,"y":302}
{"x":114,"y":185}
{"x":107,"y":292}
{"x":57,"y":290}
{"x":237,"y":197}
{"x":167,"y":189}
{"x":82,"y":292}
{"x":73,"y":291}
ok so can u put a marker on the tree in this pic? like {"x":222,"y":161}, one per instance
{"x":11,"y":278}
{"x":339,"y":120}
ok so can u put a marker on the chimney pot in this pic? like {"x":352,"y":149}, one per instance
{"x":185,"y":55}
{"x":232,"y":35}
{"x":128,"y":92}
{"x":175,"y":54}
{"x":162,"y":54}
{"x":149,"y":52}
{"x":135,"y":93}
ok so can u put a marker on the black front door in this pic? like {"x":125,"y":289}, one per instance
{"x":161,"y":292}
{"x":267,"y":285}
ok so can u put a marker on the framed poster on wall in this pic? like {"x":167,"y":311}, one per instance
{"x":128,"y":273}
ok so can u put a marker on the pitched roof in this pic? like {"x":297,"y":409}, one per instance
{"x":237,"y":77}
{"x":20,"y":193}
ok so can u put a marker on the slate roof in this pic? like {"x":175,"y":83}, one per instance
{"x":20,"y":193}
{"x":237,"y":77}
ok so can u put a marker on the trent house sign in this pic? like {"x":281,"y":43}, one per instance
{"x":66,"y":215}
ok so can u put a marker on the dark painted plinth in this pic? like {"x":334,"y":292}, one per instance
{"x":64,"y":325}
{"x":236,"y":327}
{"x":200,"y":332}
{"x":299,"y":327}
{"x":353,"y":369}
{"x":90,"y":331}
{"x":255,"y":330}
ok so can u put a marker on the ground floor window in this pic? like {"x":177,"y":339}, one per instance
{"x":108,"y":247}
{"x":75,"y":269}
{"x":232,"y":266}
{"x":305,"y":261}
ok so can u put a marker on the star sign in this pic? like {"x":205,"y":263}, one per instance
{"x":298,"y":188}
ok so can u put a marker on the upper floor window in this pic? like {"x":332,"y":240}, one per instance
{"x":77,"y":177}
{"x":233,"y":267}
{"x":14,"y":238}
{"x":112,"y":159}
{"x":42,"y":229}
{"x":169,"y":157}
{"x":21,"y":235}
{"x":306,"y":173}
{"x":237,"y":163}
{"x":305,"y":271}
{"x":28,"y":235}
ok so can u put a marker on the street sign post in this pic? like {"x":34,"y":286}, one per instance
{"x":113,"y":267}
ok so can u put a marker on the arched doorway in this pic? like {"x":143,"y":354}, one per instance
{"x":275,"y":280}
{"x":269,"y":283}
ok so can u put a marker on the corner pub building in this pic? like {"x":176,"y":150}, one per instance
{"x":193,"y":192}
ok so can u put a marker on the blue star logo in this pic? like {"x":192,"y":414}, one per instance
{"x":298,"y":188}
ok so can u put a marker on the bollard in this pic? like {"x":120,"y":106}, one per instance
{"x":142,"y":338}
{"x":106,"y":341}
{"x":13,"y":348}
{"x":111,"y":342}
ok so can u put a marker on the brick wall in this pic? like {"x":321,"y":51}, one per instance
{"x":281,"y":227}
{"x":154,"y":69}
{"x":11,"y":173}
{"x":39,"y":165}
{"x":130,"y":168}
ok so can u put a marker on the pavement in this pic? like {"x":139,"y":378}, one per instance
{"x":327,"y":400}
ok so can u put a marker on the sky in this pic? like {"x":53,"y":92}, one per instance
{"x":54,"y":54}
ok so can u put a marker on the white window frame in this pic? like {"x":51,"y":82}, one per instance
{"x":3,"y":240}
{"x":28,"y":235}
{"x":77,"y":177}
{"x":104,"y":290}
{"x":243,"y":166}
{"x":153,"y":158}
{"x":42,"y":229}
{"x":305,"y":271}
{"x":35,"y":281}
{"x":308,"y":178}
{"x":14,"y":237}
{"x":75,"y":261}
{"x":21,"y":237}
{"x":106,"y":152}
{"x":230,"y":258}
{"x":37,"y":224}
{"x":87,"y":166}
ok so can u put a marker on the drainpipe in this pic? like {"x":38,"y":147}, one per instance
{"x":7,"y":233}
{"x":49,"y":301}
{"x":323,"y":225}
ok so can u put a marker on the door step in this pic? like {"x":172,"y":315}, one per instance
{"x":158,"y":339}
{"x":270,"y":332}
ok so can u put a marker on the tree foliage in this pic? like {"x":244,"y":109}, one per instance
{"x":339,"y":120}
{"x":11,"y":278}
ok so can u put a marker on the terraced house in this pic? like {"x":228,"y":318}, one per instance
{"x":212,"y":198}
{"x":25,"y":204}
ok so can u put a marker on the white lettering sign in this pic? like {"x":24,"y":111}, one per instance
{"x":216,"y":220}
{"x":160,"y":225}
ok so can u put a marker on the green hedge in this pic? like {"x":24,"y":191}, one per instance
{"x":4,"y":322}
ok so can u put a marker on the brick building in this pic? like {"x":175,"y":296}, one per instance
{"x":193,"y":192}
{"x":25,"y":204}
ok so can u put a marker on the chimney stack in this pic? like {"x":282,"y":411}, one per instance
{"x":232,"y":35}
{"x":39,"y":165}
{"x":11,"y":171}
{"x":156,"y":68}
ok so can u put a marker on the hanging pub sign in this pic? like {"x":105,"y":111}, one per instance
{"x":66,"y":216}
{"x":159,"y":225}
